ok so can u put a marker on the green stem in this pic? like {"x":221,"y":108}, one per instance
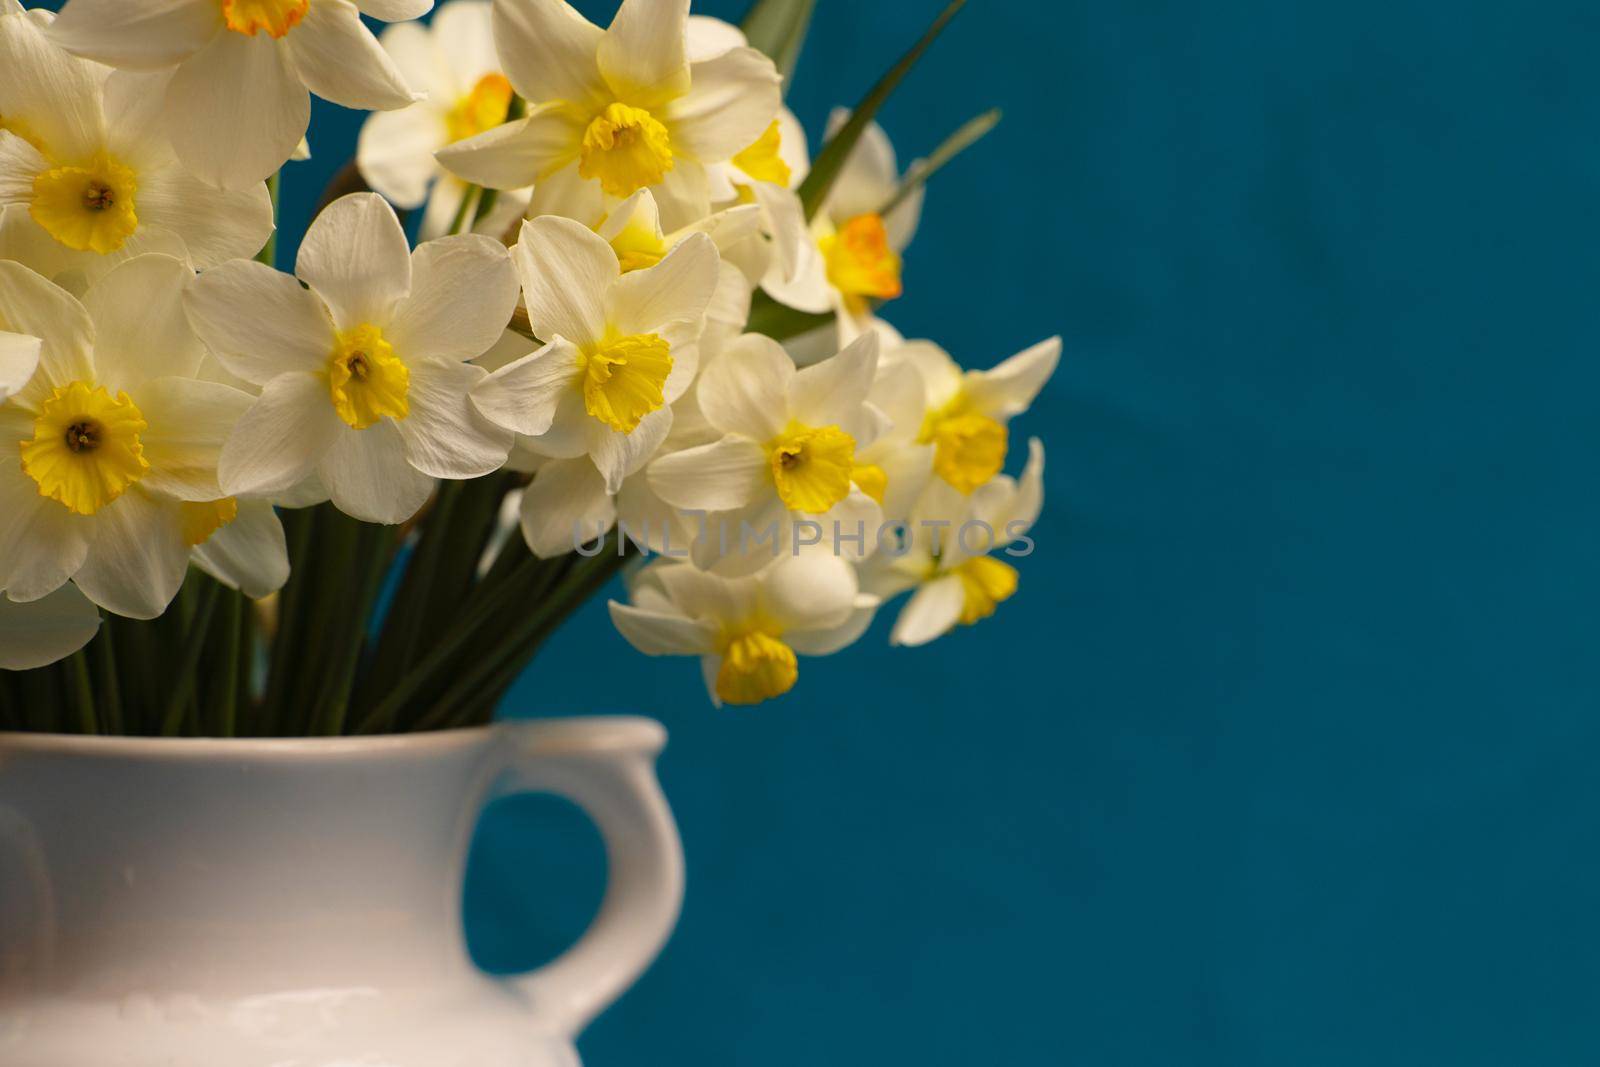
{"x":194,"y":641}
{"x":82,"y":691}
{"x":106,"y":678}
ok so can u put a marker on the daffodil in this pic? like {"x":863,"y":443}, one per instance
{"x":618,"y":349}
{"x":83,"y":157}
{"x":114,"y":441}
{"x":614,"y":111}
{"x":364,"y":373}
{"x":240,"y":543}
{"x":967,"y":412}
{"x":789,"y":450}
{"x":42,"y":631}
{"x":453,"y":59}
{"x":848,"y":258}
{"x":748,"y":631}
{"x":948,"y":558}
{"x":230,"y":81}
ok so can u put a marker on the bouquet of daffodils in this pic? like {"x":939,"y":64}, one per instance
{"x":636,"y":334}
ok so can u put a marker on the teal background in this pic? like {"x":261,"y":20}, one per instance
{"x":1284,"y":752}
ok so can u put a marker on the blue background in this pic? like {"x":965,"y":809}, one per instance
{"x":1284,"y":752}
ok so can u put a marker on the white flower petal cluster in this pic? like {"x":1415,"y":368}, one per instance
{"x":601,"y":210}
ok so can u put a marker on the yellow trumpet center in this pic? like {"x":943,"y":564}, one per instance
{"x":626,"y":148}
{"x":201,"y":520}
{"x":968,"y":449}
{"x":624,"y":379}
{"x":366,"y":380}
{"x":89,"y":208}
{"x":250,"y":17}
{"x":761,"y":160}
{"x":985,"y":581}
{"x":871,"y":479}
{"x":756,"y":666}
{"x":484,"y":108}
{"x":812,"y":466}
{"x":85,"y":450}
{"x":860,"y":262}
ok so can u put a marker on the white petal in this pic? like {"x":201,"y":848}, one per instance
{"x":445,"y":435}
{"x":35,"y":307}
{"x":732,"y":100}
{"x":138,"y":557}
{"x":140,"y":327}
{"x":567,"y":193}
{"x":356,"y":257}
{"x":281,"y":438}
{"x":932,"y":611}
{"x":395,"y":10}
{"x":711,"y":37}
{"x":940,"y":374}
{"x":249,"y":553}
{"x":136,"y":36}
{"x":617,"y":455}
{"x":463,"y":291}
{"x":1008,"y":389}
{"x":236,"y":110}
{"x":19,"y":358}
{"x":565,"y":506}
{"x":523,"y":395}
{"x":395,"y":152}
{"x":215,"y":225}
{"x":826,"y":642}
{"x":259,"y":322}
{"x":56,"y":94}
{"x":368,"y":477}
{"x":831,"y":393}
{"x":42,"y":544}
{"x":189,"y":421}
{"x":658,"y":634}
{"x":745,"y":391}
{"x":870,"y":176}
{"x":517,"y":153}
{"x":675,"y":290}
{"x":39,"y":633}
{"x":721,"y":476}
{"x":810,"y":591}
{"x":643,"y":55}
{"x":339,"y":59}
{"x":566,"y":271}
{"x":549,"y":50}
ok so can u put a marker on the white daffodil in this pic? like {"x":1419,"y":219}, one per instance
{"x":967,"y":411}
{"x":115,"y":442}
{"x":788,"y":451}
{"x":619,"y":348}
{"x":848,"y":259}
{"x":82,"y":155}
{"x":42,"y":631}
{"x":364,"y":374}
{"x":746,"y":630}
{"x":453,"y":59}
{"x":946,"y":557}
{"x":614,"y":111}
{"x":231,"y":80}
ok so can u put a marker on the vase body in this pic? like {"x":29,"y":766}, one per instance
{"x":297,"y":903}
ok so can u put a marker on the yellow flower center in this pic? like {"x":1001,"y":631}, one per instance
{"x":85,"y":450}
{"x":484,"y":108}
{"x":624,"y":379}
{"x":986,"y":581}
{"x":250,"y":17}
{"x":860,"y":263}
{"x":638,"y":246}
{"x":968,"y":449}
{"x":90,"y":209}
{"x":627,"y":148}
{"x":756,"y":666}
{"x":366,"y":379}
{"x":871,"y":479}
{"x":812,"y":466}
{"x":201,"y":520}
{"x":761,"y":160}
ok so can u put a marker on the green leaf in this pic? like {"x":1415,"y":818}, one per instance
{"x":971,"y":131}
{"x":830,"y":161}
{"x":778,"y":28}
{"x":779,"y":321}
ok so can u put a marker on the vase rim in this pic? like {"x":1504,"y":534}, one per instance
{"x":587,"y":733}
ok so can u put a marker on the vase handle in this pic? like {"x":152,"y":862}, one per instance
{"x":607,"y":767}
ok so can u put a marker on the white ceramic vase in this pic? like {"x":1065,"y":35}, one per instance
{"x":296,"y":903}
